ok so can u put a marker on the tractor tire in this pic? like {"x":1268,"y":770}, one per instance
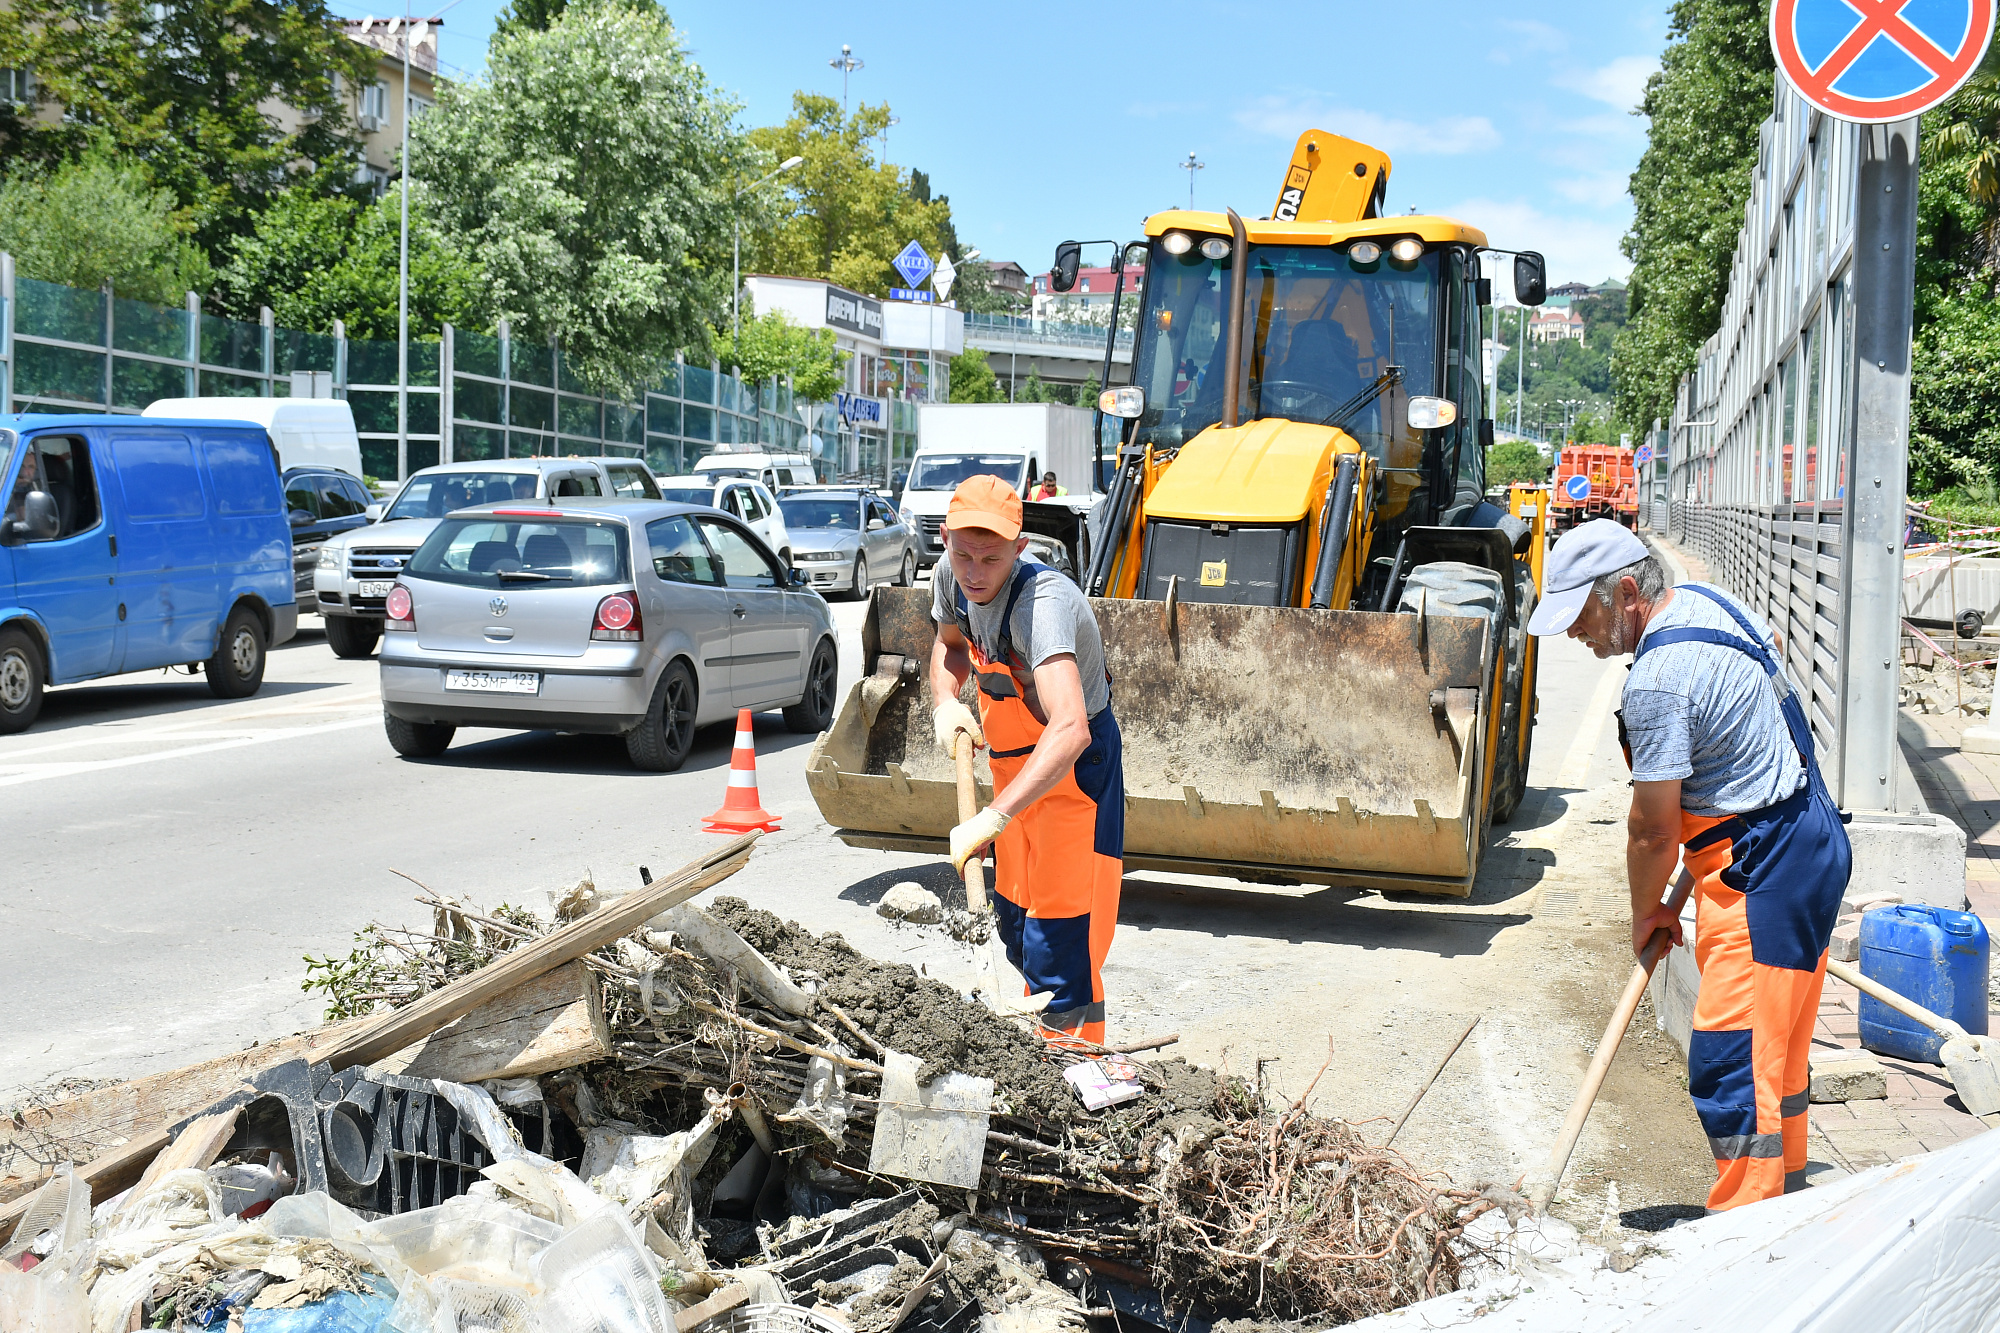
{"x":1452,"y":588}
{"x":1510,"y":766}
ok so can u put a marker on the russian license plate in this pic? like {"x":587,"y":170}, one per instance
{"x":494,"y":682}
{"x":375,"y":587}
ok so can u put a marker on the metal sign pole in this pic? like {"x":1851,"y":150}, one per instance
{"x":1871,"y":585}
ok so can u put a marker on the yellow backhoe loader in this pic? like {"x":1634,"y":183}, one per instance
{"x":1313,"y":617}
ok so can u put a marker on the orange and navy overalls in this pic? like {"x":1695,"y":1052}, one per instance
{"x":1768,"y":886}
{"x":1057,"y":866}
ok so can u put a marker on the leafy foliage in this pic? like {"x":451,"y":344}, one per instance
{"x":1704,"y":106}
{"x":772,"y":345}
{"x":972,"y":380}
{"x":1515,"y":460}
{"x":842,"y":215}
{"x":589,"y":172}
{"x":314,"y":259}
{"x":98,"y":219}
{"x":184,"y":90}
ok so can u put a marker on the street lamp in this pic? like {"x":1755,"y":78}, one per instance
{"x":846,"y":64}
{"x":1569,"y":406}
{"x":1190,"y":167}
{"x":736,"y":244}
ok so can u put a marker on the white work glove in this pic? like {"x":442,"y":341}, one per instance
{"x":975,"y":833}
{"x":951,"y":718}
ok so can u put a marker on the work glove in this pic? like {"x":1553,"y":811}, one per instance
{"x":975,"y":833}
{"x":951,"y":718}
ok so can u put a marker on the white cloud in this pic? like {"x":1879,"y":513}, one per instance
{"x":1601,"y":189}
{"x":1528,"y":37}
{"x":1288,"y":117}
{"x":1154,"y":110}
{"x":1578,"y":249}
{"x":1619,"y":84}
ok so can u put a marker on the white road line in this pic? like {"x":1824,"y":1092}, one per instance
{"x":44,"y":772}
{"x":1575,"y":770}
{"x":98,"y":733}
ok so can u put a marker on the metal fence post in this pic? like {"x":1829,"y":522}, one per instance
{"x":269,"y":338}
{"x":506,"y":380}
{"x":110,"y":323}
{"x":193,"y":304}
{"x":446,"y":344}
{"x":1871,"y":586}
{"x":340,"y":358}
{"x":7,"y":332}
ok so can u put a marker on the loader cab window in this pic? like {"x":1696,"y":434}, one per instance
{"x":1317,"y":329}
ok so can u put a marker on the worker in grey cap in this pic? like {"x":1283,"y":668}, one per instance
{"x":1723,"y":779}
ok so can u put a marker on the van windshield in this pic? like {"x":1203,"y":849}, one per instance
{"x":944,"y":472}
{"x":435,"y":494}
{"x":488,"y":552}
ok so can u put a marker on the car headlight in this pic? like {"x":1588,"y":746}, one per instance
{"x":908,"y":519}
{"x":330,"y":557}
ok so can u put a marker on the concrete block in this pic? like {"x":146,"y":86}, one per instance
{"x":1846,"y":1076}
{"x":1845,"y":946}
{"x":911,"y":902}
{"x":1919,"y":857}
{"x":1984,"y":738}
{"x":1676,"y":984}
{"x":1858,"y":902}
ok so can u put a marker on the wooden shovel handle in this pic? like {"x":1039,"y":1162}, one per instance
{"x":968,"y":806}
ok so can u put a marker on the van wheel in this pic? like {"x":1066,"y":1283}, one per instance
{"x":21,"y":681}
{"x":660,"y":744}
{"x":417,"y":740}
{"x":813,"y":713}
{"x":237,"y":669}
{"x":349,"y":636}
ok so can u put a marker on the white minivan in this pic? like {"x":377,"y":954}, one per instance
{"x":776,"y":471}
{"x":307,"y":431}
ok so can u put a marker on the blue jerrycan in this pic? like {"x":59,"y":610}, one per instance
{"x":1932,"y":955}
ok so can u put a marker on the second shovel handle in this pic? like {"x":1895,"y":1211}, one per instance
{"x":968,"y":806}
{"x":1907,"y":1007}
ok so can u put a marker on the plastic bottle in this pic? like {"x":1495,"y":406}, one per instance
{"x":1932,"y":955}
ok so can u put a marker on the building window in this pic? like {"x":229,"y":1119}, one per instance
{"x":374,"y":111}
{"x":17,"y":85}
{"x":418,"y":107}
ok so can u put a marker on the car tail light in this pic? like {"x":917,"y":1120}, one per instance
{"x":401,"y":614}
{"x":618,"y":619}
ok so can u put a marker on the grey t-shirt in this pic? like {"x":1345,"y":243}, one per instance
{"x":1707,"y":714}
{"x":1053,"y":617}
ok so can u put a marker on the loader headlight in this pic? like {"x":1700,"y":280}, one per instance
{"x":1363,"y":252}
{"x":1432,"y":413}
{"x":1215,"y":248}
{"x":1177,"y":242}
{"x":1407,"y":251}
{"x":1128,"y":402}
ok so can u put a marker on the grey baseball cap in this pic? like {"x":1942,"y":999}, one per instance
{"x":1585,"y":554}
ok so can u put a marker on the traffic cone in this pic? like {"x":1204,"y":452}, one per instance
{"x":742,"y":809}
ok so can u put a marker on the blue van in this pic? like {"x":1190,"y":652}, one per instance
{"x":135,"y":542}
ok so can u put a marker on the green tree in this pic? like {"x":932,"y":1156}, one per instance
{"x":1033,"y":391}
{"x":842,"y":215}
{"x":1704,"y":108}
{"x":1515,"y":460}
{"x":185,"y":91}
{"x":772,"y":346}
{"x":590,"y":173}
{"x":972,"y":380}
{"x":96,"y":220}
{"x":314,"y":259}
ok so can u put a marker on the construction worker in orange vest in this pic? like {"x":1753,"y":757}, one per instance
{"x":1057,"y":822}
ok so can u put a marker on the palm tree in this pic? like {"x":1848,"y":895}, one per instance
{"x":1966,"y":133}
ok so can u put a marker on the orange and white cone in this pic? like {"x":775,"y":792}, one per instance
{"x":742,"y":809}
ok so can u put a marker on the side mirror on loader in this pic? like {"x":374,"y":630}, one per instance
{"x":1069,"y":257}
{"x":1531,"y":279}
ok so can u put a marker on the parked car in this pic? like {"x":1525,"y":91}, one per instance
{"x":320,"y":502}
{"x":354,"y":571}
{"x":129,"y":543}
{"x":745,"y":497}
{"x":776,"y":471}
{"x":308,"y":432}
{"x":636,"y":618}
{"x":847,"y":540}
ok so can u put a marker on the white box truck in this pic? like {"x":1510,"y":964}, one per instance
{"x":307,"y":431}
{"x":1016,"y":442}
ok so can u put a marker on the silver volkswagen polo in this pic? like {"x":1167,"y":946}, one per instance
{"x":639,"y":618}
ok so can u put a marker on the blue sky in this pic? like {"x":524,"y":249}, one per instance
{"x":1045,"y":121}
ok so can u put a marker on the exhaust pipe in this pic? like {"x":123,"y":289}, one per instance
{"x":1232,"y":347}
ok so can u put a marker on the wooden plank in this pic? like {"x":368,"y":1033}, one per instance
{"x":721,"y":1302}
{"x":196,"y":1148}
{"x":34,"y":1139}
{"x":554,"y":1021}
{"x":107,"y":1174}
{"x":414,"y":1022}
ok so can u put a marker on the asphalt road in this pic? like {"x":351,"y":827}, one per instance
{"x":170,"y":859}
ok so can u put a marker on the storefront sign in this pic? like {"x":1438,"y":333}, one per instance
{"x":853,"y":312}
{"x":856,"y":410}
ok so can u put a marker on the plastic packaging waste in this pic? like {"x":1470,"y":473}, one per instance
{"x":342,"y":1312}
{"x":42,"y":1301}
{"x":1932,"y":955}
{"x":597,"y":1279}
{"x":473,"y":1240}
{"x":57,"y":1218}
{"x":247,"y":1189}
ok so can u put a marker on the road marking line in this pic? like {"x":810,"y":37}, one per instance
{"x":1575,"y":771}
{"x":97,"y":733}
{"x":43,"y":772}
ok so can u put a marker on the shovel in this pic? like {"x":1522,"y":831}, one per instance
{"x":1968,"y":1057}
{"x":1544,"y":1187}
{"x":975,"y":896}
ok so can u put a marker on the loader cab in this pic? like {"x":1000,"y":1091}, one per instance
{"x":1322,"y":320}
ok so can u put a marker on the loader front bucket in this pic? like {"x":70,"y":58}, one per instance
{"x":1276,"y":745}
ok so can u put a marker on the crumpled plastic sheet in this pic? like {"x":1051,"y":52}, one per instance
{"x":57,"y":1218}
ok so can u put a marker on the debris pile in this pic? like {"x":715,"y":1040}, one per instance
{"x":1936,"y":686}
{"x":634,"y":1114}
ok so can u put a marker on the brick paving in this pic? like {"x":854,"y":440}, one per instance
{"x":1922,"y":1113}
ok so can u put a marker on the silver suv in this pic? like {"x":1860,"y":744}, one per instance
{"x":633,"y":618}
{"x":355,"y":569}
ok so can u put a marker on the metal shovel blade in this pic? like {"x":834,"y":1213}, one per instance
{"x":1970,"y":1062}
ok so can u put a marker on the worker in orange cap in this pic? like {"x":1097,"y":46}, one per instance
{"x":1057,"y":822}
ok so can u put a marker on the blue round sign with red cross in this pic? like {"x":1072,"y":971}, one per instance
{"x":1879,"y":60}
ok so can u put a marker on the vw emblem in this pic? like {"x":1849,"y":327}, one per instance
{"x":498,"y":606}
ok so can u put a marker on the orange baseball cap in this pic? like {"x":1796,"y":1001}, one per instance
{"x":985,"y":502}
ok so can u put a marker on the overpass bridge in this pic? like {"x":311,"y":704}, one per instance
{"x":1060,"y":353}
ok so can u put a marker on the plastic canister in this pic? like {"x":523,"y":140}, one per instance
{"x":1932,"y":955}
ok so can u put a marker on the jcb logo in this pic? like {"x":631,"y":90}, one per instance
{"x":1214,"y":573}
{"x":1289,"y":200}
